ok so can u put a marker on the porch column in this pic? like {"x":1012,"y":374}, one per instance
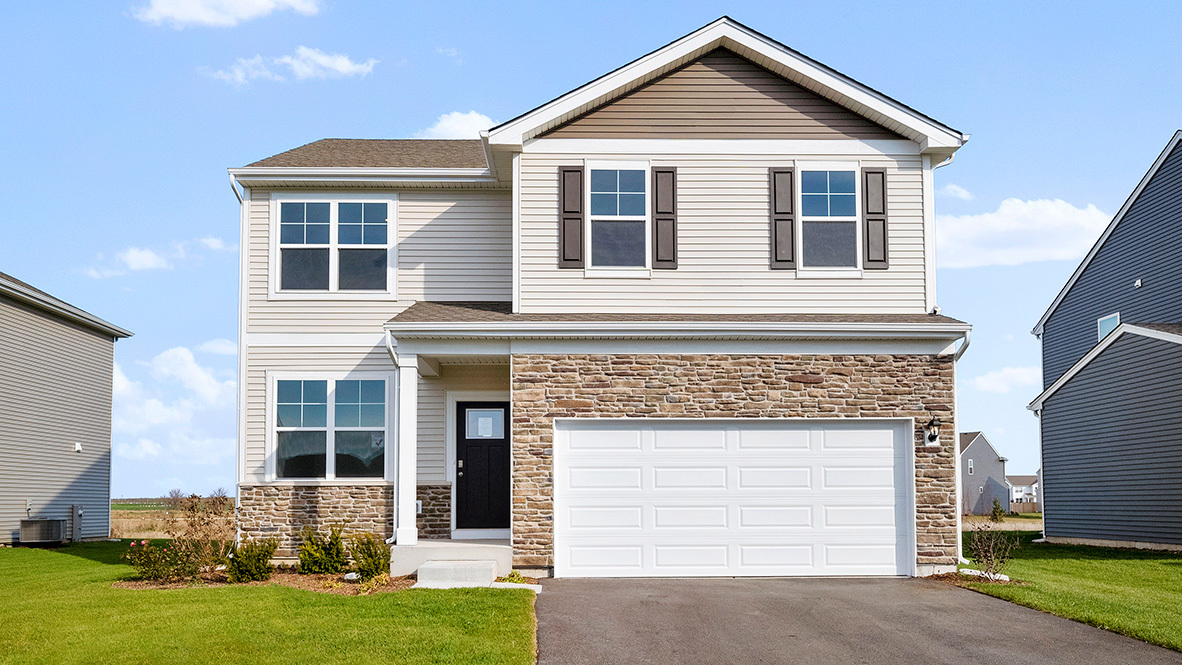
{"x":408,"y":448}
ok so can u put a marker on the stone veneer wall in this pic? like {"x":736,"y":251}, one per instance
{"x":281,"y":511}
{"x":730,"y":386}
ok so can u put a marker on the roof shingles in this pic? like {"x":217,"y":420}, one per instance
{"x":382,"y":153}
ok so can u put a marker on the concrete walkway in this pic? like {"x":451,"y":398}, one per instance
{"x":813,"y":621}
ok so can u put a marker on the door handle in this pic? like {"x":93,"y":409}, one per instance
{"x":460,"y":474}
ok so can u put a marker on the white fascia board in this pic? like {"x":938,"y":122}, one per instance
{"x":60,"y":308}
{"x":675,"y":330}
{"x":1124,"y":209}
{"x":1120,"y":331}
{"x":744,"y":41}
{"x":248,"y":174}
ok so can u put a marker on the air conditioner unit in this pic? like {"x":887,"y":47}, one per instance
{"x":42,"y":531}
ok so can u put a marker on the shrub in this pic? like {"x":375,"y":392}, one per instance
{"x":374,"y":583}
{"x":203,"y":531}
{"x":251,"y":561}
{"x":321,"y":555}
{"x":515,"y":577}
{"x":997,"y":513}
{"x":157,"y":562}
{"x":371,"y":555}
{"x":991,"y":549}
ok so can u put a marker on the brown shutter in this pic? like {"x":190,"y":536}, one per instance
{"x":570,"y":217}
{"x":782,"y":193}
{"x":874,"y":219}
{"x":665,"y":218}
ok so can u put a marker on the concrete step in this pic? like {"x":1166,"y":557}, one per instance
{"x":406,"y":559}
{"x":456,"y":574}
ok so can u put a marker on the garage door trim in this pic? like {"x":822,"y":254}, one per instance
{"x":903,"y":428}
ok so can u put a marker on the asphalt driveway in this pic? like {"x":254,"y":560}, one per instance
{"x":879,"y":621}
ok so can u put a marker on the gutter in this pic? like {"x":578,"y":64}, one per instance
{"x":60,"y":308}
{"x":674,"y":330}
{"x":482,"y":175}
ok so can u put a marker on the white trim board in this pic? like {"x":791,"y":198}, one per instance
{"x":1120,"y":215}
{"x":764,"y":51}
{"x":1083,"y":362}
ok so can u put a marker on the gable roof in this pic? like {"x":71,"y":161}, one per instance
{"x":1124,"y":209}
{"x":1167,"y":332}
{"x":30,"y":295}
{"x":966,"y":439}
{"x":381,"y":153}
{"x":934,"y":137}
{"x":1022,"y":480}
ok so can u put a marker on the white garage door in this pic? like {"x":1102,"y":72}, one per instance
{"x":659,"y":498}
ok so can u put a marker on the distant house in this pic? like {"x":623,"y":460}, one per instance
{"x":1112,"y":378}
{"x":1023,"y":489}
{"x":982,"y":475}
{"x":56,"y":366}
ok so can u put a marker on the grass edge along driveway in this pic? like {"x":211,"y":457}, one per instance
{"x":1136,"y":593}
{"x":59,"y":606}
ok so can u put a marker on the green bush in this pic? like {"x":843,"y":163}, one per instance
{"x":250,"y":561}
{"x":159,"y":562}
{"x":371,"y":554}
{"x":997,"y":513}
{"x":321,"y":554}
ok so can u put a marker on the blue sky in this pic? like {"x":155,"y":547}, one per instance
{"x":120,"y":119}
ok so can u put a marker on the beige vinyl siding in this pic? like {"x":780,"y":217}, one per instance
{"x":293,"y":359}
{"x":453,"y":245}
{"x":723,"y":254}
{"x":433,"y":408}
{"x":721,"y":96}
{"x":55,"y":391}
{"x":432,"y":397}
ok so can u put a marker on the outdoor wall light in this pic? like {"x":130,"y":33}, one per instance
{"x":933,"y":428}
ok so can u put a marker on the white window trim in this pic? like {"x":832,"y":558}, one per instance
{"x":619,"y":271}
{"x":970,"y":467}
{"x":806,"y":272}
{"x":1100,"y":321}
{"x":273,"y":379}
{"x":390,"y":199}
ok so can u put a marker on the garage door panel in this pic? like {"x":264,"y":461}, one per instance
{"x":733,"y":498}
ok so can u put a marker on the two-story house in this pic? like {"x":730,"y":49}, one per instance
{"x":982,"y":475}
{"x":678,"y":321}
{"x":1111,"y":361}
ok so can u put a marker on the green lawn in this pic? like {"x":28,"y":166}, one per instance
{"x":1134,"y":592}
{"x":59,"y":606}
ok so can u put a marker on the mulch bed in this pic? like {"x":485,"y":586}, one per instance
{"x":962,"y":580}
{"x":334,"y":584}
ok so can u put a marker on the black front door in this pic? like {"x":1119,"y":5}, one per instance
{"x":482,"y":465}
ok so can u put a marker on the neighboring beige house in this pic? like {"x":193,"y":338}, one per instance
{"x":678,"y":321}
{"x":56,"y":368}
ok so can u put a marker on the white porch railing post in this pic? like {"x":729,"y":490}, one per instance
{"x":408,"y":445}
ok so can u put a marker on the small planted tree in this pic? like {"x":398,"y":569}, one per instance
{"x":997,"y":513}
{"x":991,"y":549}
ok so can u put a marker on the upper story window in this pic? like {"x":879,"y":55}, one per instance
{"x":618,"y":228}
{"x":970,"y":467}
{"x":829,"y":219}
{"x":328,"y":429}
{"x":339,"y":246}
{"x":1106,"y":325}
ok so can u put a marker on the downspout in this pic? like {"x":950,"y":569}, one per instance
{"x":393,"y":539}
{"x":234,"y":186}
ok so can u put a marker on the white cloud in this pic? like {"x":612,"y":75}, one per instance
{"x":217,"y":13}
{"x":245,"y":70}
{"x":452,"y":53}
{"x":179,"y":364}
{"x":956,"y":192}
{"x":216,"y":244}
{"x":142,"y":258}
{"x":1004,"y":379}
{"x":1018,"y":232}
{"x":457,"y":125}
{"x":134,"y":259}
{"x":135,"y":412}
{"x":309,"y":63}
{"x":140,"y":450}
{"x":221,"y":347}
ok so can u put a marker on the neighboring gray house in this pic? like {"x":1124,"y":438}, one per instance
{"x":1023,"y":489}
{"x":982,"y":475}
{"x":1111,"y":408}
{"x":56,"y":365}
